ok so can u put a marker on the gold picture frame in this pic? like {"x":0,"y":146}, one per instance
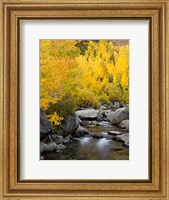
{"x":11,"y":187}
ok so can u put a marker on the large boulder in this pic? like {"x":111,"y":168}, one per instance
{"x":50,"y":147}
{"x":45,"y":125}
{"x":69,"y":125}
{"x":124,"y":124}
{"x":118,"y":116}
{"x":108,"y":113}
{"x":123,"y":138}
{"x":87,"y":114}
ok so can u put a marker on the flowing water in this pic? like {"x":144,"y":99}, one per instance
{"x":89,"y":148}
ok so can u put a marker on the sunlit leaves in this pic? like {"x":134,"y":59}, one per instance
{"x":54,"y":118}
{"x":82,"y":73}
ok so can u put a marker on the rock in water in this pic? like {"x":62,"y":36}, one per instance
{"x":69,"y":125}
{"x":87,"y":114}
{"x":115,"y":133}
{"x":84,"y":122}
{"x":119,"y":115}
{"x":124,"y":124}
{"x":82,"y":131}
{"x":45,"y":125}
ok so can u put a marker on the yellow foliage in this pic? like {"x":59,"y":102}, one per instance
{"x":54,"y":118}
{"x":99,"y":74}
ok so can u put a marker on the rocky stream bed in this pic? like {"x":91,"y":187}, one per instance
{"x":89,"y":134}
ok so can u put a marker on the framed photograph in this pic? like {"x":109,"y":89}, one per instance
{"x":84,"y":100}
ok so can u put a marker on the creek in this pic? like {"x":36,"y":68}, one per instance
{"x":89,"y":148}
